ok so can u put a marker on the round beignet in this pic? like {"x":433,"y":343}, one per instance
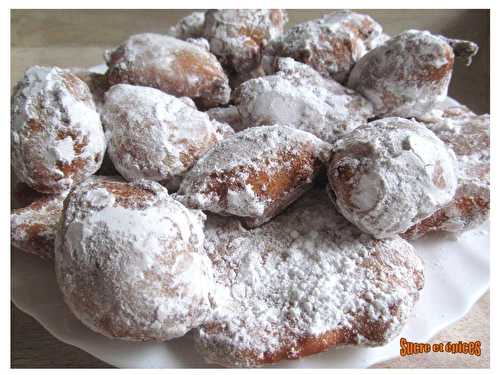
{"x":238,"y":36}
{"x":408,"y":74}
{"x":256,"y":173}
{"x":303,"y":283}
{"x":300,"y":97}
{"x":156,"y":136}
{"x":57,"y":138}
{"x":171,"y":65}
{"x":331,"y":44}
{"x":468,"y":135}
{"x":391,"y":174}
{"x":130,"y":262}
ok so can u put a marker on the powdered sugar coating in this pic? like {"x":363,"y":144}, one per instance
{"x":300,"y":97}
{"x":97,"y":83}
{"x":33,"y":228}
{"x":56,"y":134}
{"x":407,"y":75}
{"x":331,"y":44}
{"x":302,"y":283}
{"x":238,"y":36}
{"x":154,"y":135}
{"x":190,"y":26}
{"x":391,"y":174}
{"x":171,"y":65}
{"x":468,"y":135}
{"x":130,"y":261}
{"x":256,"y":173}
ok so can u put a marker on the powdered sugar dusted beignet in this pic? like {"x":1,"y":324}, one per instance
{"x":303,"y":283}
{"x":410,"y":73}
{"x":256,"y":173}
{"x":391,"y":174}
{"x":468,"y":135}
{"x":332,"y":43}
{"x":154,"y":135}
{"x":300,"y":97}
{"x":56,"y":134}
{"x":238,"y":36}
{"x":171,"y":65}
{"x":190,"y":26}
{"x":130,"y":262}
{"x":33,"y":228}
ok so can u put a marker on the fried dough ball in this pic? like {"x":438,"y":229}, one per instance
{"x":130,"y":262}
{"x":156,"y":136}
{"x":300,"y":97}
{"x":468,"y":135}
{"x":255,"y":174}
{"x":56,"y":133}
{"x":303,"y":283}
{"x":171,"y":65}
{"x":391,"y":174}
{"x":331,"y":44}
{"x":409,"y":74}
{"x":33,"y":228}
{"x":188,"y":27}
{"x":238,"y":36}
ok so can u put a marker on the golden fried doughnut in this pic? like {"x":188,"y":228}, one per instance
{"x":171,"y":65}
{"x":408,"y":74}
{"x":33,"y":228}
{"x":468,"y":135}
{"x":256,"y":173}
{"x":390,"y":174}
{"x":303,"y":283}
{"x":238,"y":36}
{"x":298,"y":96}
{"x":130,"y":261}
{"x":331,"y":44}
{"x":154,"y":135}
{"x":56,"y":134}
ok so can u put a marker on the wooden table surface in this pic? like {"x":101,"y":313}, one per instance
{"x":77,"y":38}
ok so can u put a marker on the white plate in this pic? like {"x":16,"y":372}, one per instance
{"x":456,"y":275}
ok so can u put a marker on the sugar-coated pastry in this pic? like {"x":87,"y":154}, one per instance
{"x":33,"y":228}
{"x":130,"y":262}
{"x":57,"y":138}
{"x":156,"y":136}
{"x":303,"y":283}
{"x":188,"y":27}
{"x":171,"y":65}
{"x":300,"y":97}
{"x":238,"y":36}
{"x":468,"y":135}
{"x":331,"y":44}
{"x":390,"y":174}
{"x":256,"y":173}
{"x":410,"y":73}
